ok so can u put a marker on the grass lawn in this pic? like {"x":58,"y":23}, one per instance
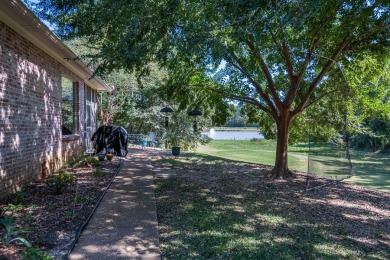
{"x":372,"y":169}
{"x":215,"y":208}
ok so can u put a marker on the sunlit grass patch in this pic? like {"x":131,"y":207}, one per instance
{"x":271,"y":220}
{"x":335,"y":250}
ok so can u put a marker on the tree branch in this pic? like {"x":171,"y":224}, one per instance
{"x":309,"y":53}
{"x":296,"y":81}
{"x":292,"y":92}
{"x":267,"y":74}
{"x":319,"y":77}
{"x":287,"y":59}
{"x":244,"y":99}
{"x":251,"y":101}
{"x":321,"y":97}
{"x":241,"y":67}
{"x":313,"y":44}
{"x":273,"y":36}
{"x":105,"y":114}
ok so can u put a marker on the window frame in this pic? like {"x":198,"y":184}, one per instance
{"x":75,"y":99}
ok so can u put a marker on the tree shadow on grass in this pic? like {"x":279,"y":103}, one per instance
{"x":230,"y":217}
{"x":217,"y":159}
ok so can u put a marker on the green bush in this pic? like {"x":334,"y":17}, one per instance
{"x":60,"y":181}
{"x":81,"y":199}
{"x":374,"y":135}
{"x":86,"y":161}
{"x":18,"y":196}
{"x":181,"y":132}
{"x":16,"y":207}
{"x":35,"y":253}
{"x":69,"y":215}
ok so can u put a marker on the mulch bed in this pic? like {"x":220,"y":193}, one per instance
{"x":55,"y":219}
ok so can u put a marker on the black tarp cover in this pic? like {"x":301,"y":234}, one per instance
{"x":112,"y":138}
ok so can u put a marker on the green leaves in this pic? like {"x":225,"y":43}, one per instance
{"x":370,"y":81}
{"x":60,"y":181}
{"x":8,"y":222}
{"x":187,"y":35}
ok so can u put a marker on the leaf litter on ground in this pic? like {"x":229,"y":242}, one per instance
{"x":340,"y":220}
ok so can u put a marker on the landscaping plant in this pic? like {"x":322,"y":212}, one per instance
{"x":35,"y":253}
{"x":19,"y":196}
{"x":60,"y":181}
{"x":9,"y":223}
{"x":87,"y":161}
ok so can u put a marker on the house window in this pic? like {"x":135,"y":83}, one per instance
{"x":90,"y":124}
{"x":68,"y":106}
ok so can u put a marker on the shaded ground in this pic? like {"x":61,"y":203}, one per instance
{"x":55,"y":219}
{"x":218,"y":209}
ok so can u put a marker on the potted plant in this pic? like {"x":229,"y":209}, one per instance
{"x":176,"y":150}
{"x":175,"y":143}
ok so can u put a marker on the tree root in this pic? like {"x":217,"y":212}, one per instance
{"x":279,"y":174}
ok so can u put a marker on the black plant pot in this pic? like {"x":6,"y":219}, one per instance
{"x":175,"y":151}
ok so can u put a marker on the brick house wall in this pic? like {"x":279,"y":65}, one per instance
{"x":30,"y":112}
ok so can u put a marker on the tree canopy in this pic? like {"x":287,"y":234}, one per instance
{"x":279,"y":56}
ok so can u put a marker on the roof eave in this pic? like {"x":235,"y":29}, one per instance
{"x":17,"y":16}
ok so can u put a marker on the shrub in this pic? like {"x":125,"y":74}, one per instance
{"x":18,"y":196}
{"x":11,"y":230}
{"x":181,"y":132}
{"x":16,"y":207}
{"x":35,"y":253}
{"x":81,"y":199}
{"x":87,"y":161}
{"x":60,"y":181}
{"x":69,"y":215}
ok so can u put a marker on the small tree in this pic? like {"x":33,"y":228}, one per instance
{"x":180,"y":131}
{"x":105,"y":110}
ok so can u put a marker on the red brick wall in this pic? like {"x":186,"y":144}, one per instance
{"x":30,"y":112}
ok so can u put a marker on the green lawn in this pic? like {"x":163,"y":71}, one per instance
{"x":372,"y":169}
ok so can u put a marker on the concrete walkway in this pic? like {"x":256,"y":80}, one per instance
{"x":124,"y":225}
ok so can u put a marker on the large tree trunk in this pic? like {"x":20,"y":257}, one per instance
{"x":280,"y":170}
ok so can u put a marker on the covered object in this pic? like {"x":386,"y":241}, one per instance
{"x":111,"y":139}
